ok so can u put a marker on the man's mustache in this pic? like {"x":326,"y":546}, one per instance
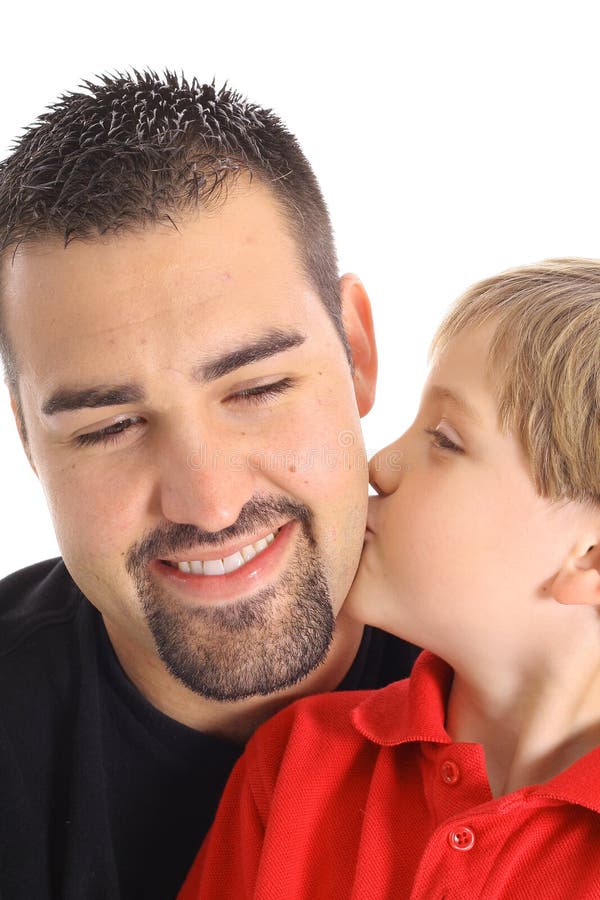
{"x":166,"y":540}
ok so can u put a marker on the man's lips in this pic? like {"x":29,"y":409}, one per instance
{"x":255,"y":573}
{"x":245,"y":548}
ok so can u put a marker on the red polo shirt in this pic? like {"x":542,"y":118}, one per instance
{"x":365,"y":796}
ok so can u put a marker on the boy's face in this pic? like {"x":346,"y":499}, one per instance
{"x":459,"y":544}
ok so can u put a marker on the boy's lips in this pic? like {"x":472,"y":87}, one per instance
{"x":243,"y":569}
{"x":373,"y":512}
{"x":370,"y":524}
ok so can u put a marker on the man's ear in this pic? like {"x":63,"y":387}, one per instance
{"x":358,"y":324}
{"x":578,"y":581}
{"x":17,"y":411}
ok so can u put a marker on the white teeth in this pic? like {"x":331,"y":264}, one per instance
{"x":228,"y":563}
{"x":233,"y":562}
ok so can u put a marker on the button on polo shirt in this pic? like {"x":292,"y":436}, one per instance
{"x":365,"y":796}
{"x":462,"y":838}
{"x":450,"y":772}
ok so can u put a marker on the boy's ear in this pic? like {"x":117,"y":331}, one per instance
{"x":578,"y":581}
{"x":358,"y":324}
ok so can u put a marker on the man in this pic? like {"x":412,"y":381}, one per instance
{"x":187,"y":375}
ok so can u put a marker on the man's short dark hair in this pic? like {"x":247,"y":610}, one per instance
{"x":136,"y":149}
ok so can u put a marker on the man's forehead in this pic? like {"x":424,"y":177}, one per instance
{"x":84,"y":345}
{"x":249,"y":216}
{"x":240,"y":253}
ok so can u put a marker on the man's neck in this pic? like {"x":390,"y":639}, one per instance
{"x":236,"y":720}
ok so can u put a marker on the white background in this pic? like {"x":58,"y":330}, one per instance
{"x":452,"y":139}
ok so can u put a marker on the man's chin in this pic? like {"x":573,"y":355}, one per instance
{"x":258,"y":646}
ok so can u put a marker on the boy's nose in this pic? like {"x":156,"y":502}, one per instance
{"x":385,"y":469}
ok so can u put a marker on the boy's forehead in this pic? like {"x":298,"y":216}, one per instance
{"x":467,"y":351}
{"x":460,"y":374}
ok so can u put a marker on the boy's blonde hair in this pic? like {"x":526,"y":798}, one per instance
{"x":545,"y":363}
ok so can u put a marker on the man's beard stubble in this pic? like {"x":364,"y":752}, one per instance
{"x":257,"y":645}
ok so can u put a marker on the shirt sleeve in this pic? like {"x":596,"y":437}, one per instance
{"x":228,"y":861}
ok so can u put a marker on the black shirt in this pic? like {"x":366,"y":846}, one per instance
{"x":103,"y":797}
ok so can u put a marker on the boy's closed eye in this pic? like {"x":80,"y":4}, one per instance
{"x":445,"y":437}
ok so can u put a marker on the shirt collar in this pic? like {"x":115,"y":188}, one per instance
{"x":580,"y":783}
{"x":409,"y":710}
{"x":414,"y":710}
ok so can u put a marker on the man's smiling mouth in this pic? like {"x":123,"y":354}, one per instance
{"x":226,"y":564}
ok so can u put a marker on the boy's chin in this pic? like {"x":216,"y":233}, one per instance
{"x":372,"y":602}
{"x":367,"y":605}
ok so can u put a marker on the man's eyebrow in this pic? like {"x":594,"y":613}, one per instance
{"x":70,"y":399}
{"x":269,"y":344}
{"x":441,"y":392}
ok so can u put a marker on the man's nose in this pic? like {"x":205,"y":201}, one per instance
{"x":385,"y":468}
{"x":205,"y":482}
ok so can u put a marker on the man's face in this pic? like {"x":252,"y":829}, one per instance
{"x":192,"y":417}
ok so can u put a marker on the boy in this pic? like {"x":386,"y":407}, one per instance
{"x":479,"y":777}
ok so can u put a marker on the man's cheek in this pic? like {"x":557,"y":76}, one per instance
{"x":336,"y":452}
{"x":320,"y":471}
{"x":102,"y":517}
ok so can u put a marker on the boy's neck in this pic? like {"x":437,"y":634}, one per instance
{"x":533,"y":721}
